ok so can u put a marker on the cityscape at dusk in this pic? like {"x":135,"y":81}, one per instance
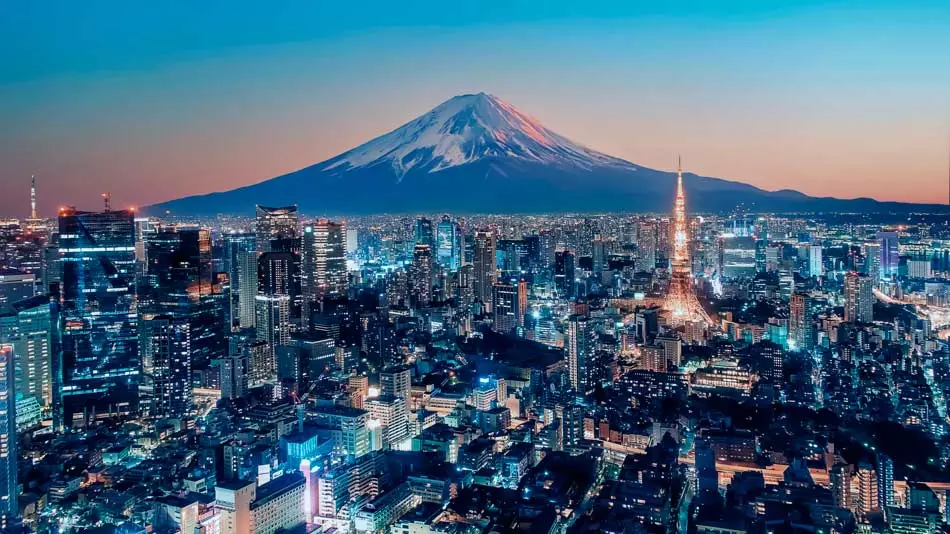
{"x":417,"y":268}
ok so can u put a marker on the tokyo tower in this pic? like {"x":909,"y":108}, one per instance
{"x":681,"y":302}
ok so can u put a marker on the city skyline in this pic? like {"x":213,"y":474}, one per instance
{"x":840,"y":101}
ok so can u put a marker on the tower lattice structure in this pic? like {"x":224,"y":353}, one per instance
{"x":681,"y":301}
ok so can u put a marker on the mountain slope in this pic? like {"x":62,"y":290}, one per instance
{"x":477,"y":153}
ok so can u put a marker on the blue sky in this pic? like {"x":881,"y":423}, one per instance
{"x":154,"y":100}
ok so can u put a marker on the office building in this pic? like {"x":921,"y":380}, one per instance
{"x":801,"y":323}
{"x":448,"y":241}
{"x":233,"y":501}
{"x":504,"y":308}
{"x":858,"y":298}
{"x":919,"y":269}
{"x":392,"y":415}
{"x":815,"y":268}
{"x":166,"y":359}
{"x":396,"y":382}
{"x":9,"y":491}
{"x":273,"y":300}
{"x":234,"y":369}
{"x":872,"y":260}
{"x":647,"y":246}
{"x":100,"y":364}
{"x":33,"y":330}
{"x":738,"y":257}
{"x":889,"y":258}
{"x":323,"y":260}
{"x":564,"y":274}
{"x":278,"y":505}
{"x":580,"y":341}
{"x":423,"y":233}
{"x":352,"y":425}
{"x":420,"y":276}
{"x":484,"y":262}
{"x":240,"y":264}
{"x":276,"y":229}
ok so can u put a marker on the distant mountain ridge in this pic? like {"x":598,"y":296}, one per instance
{"x":476,"y":153}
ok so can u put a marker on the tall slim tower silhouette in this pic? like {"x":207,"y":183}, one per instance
{"x":33,"y":198}
{"x":681,"y":302}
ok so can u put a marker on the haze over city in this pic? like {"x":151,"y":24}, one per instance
{"x":152,"y":103}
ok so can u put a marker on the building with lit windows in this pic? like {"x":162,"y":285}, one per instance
{"x":485,"y":269}
{"x":276,"y":229}
{"x":98,"y":322}
{"x":858,"y":298}
{"x":9,"y":491}
{"x":278,"y":505}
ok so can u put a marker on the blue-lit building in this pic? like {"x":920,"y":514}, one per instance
{"x":890,"y":259}
{"x":240,"y":264}
{"x":100,"y":360}
{"x":449,"y":244}
{"x":8,"y":439}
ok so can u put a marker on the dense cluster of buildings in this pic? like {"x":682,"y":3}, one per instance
{"x":413,"y":374}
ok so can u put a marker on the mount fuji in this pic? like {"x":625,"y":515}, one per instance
{"x":476,"y":153}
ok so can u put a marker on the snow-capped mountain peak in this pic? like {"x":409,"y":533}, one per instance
{"x":467,"y":128}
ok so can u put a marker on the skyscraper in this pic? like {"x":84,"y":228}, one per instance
{"x":34,"y":334}
{"x":681,"y":302}
{"x":815,"y":269}
{"x":484,"y":262}
{"x":564,"y":274}
{"x":420,"y":276}
{"x":167,"y":348}
{"x":889,"y":254}
{"x":521,"y":308}
{"x":504,"y":307}
{"x":240,"y":264}
{"x":858,"y":298}
{"x":872,"y":260}
{"x":9,"y":508}
{"x":100,"y":363}
{"x":423,"y":234}
{"x":646,"y":246}
{"x":276,"y":229}
{"x":323,"y":259}
{"x":275,"y":277}
{"x":449,"y":244}
{"x":801,"y":326}
{"x":580,"y":353}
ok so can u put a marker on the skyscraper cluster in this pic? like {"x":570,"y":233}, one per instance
{"x":486,"y":373}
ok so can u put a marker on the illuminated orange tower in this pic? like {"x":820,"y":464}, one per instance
{"x":681,"y":302}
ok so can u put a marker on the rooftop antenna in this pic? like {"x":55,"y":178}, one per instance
{"x":106,"y":199}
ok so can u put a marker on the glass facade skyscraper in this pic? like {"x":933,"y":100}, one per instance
{"x":449,"y":244}
{"x":9,"y":508}
{"x":276,"y":229}
{"x":889,"y":255}
{"x":100,"y":362}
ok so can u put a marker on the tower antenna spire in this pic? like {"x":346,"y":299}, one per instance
{"x":33,"y":197}
{"x":681,"y":302}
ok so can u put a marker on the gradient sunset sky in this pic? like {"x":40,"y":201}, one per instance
{"x":157,"y":100}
